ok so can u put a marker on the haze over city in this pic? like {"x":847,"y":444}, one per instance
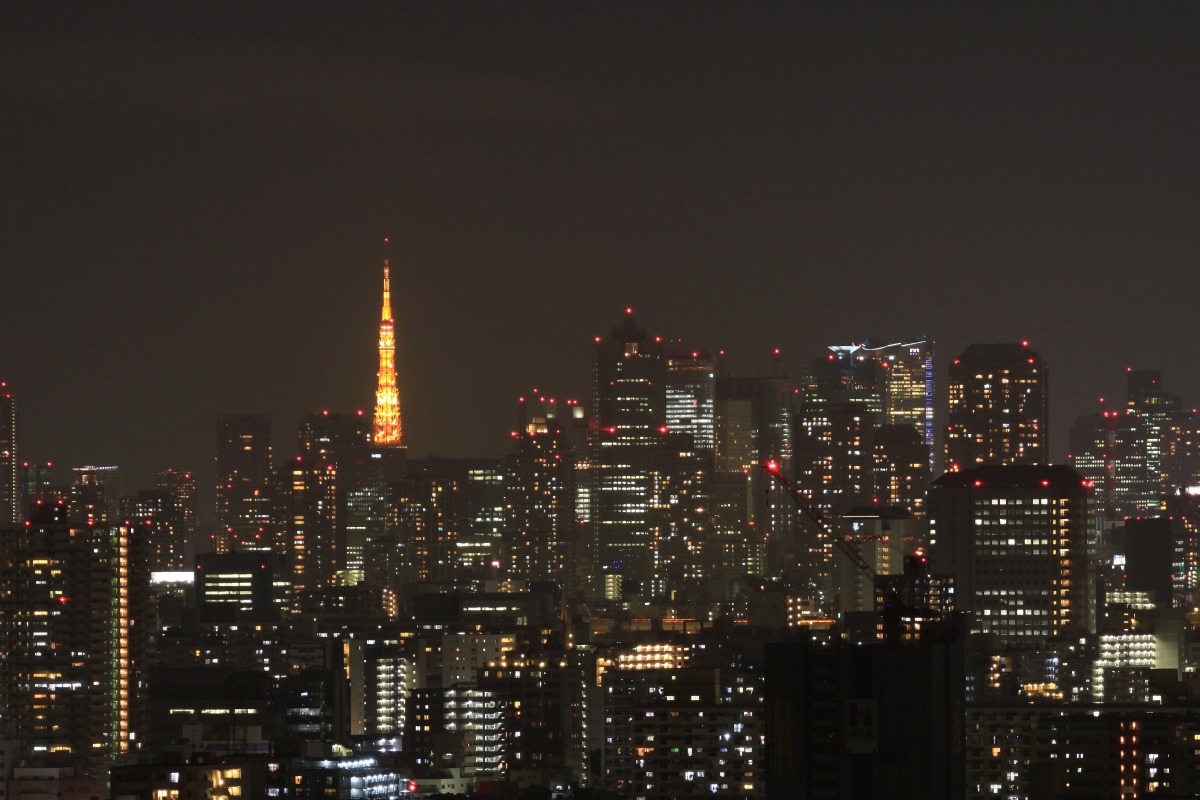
{"x":194,"y":202}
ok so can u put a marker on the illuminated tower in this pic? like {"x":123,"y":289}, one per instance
{"x":387,"y":397}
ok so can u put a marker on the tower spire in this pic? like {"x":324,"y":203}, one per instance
{"x":387,"y":396}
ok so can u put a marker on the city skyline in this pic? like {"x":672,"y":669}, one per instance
{"x":205,"y":204}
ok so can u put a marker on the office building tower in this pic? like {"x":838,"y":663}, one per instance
{"x":164,"y":527}
{"x":753,"y":423}
{"x":324,"y":433}
{"x":308,"y":494}
{"x":627,"y":429}
{"x":690,"y":395}
{"x":246,"y":583}
{"x":906,"y":381}
{"x":900,"y":468}
{"x":74,"y":631}
{"x":1146,"y":399}
{"x":1111,"y":449}
{"x":180,"y":485}
{"x":539,"y":498}
{"x":35,"y":479}
{"x":999,"y":407}
{"x":368,"y":493}
{"x":10,"y":487}
{"x":388,"y":430}
{"x":1180,"y":457}
{"x":95,"y":493}
{"x":479,"y":548}
{"x":1015,"y":538}
{"x":443,"y":502}
{"x":245,"y":502}
{"x":842,"y":400}
{"x":309,"y":499}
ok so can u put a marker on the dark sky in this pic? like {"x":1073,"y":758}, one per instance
{"x":194,"y":199}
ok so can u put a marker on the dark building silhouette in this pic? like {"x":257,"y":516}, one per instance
{"x":880,"y":720}
{"x":539,"y":499}
{"x":245,"y":504}
{"x":10,"y":487}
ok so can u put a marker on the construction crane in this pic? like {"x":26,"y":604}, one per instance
{"x":895,"y":609}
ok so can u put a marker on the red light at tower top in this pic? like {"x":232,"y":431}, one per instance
{"x":772,"y":466}
{"x":629,"y":310}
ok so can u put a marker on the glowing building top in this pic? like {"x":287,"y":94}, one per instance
{"x":387,"y":396}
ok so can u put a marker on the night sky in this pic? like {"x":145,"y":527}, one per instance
{"x":194,"y":202}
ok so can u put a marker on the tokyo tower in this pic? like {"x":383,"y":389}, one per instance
{"x":387,"y":396}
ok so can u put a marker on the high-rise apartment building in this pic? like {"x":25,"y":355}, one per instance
{"x":164,"y":528}
{"x":245,"y":502}
{"x":10,"y":487}
{"x":1015,"y":538}
{"x":74,"y":634}
{"x":999,"y":407}
{"x":539,"y":498}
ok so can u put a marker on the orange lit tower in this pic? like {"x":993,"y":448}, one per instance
{"x":387,"y":397}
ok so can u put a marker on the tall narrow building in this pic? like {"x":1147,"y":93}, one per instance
{"x":244,"y":482}
{"x":999,"y":407}
{"x":627,"y":431}
{"x":388,"y":431}
{"x":74,"y":633}
{"x":10,"y":500}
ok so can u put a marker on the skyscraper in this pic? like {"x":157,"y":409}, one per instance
{"x":1016,"y":540}
{"x":753,"y":423}
{"x":74,"y":631}
{"x":999,"y":407}
{"x":539,"y":498}
{"x":324,"y":433}
{"x":627,"y":428}
{"x":180,"y":484}
{"x":388,"y":431}
{"x":244,"y":482}
{"x":10,"y":500}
